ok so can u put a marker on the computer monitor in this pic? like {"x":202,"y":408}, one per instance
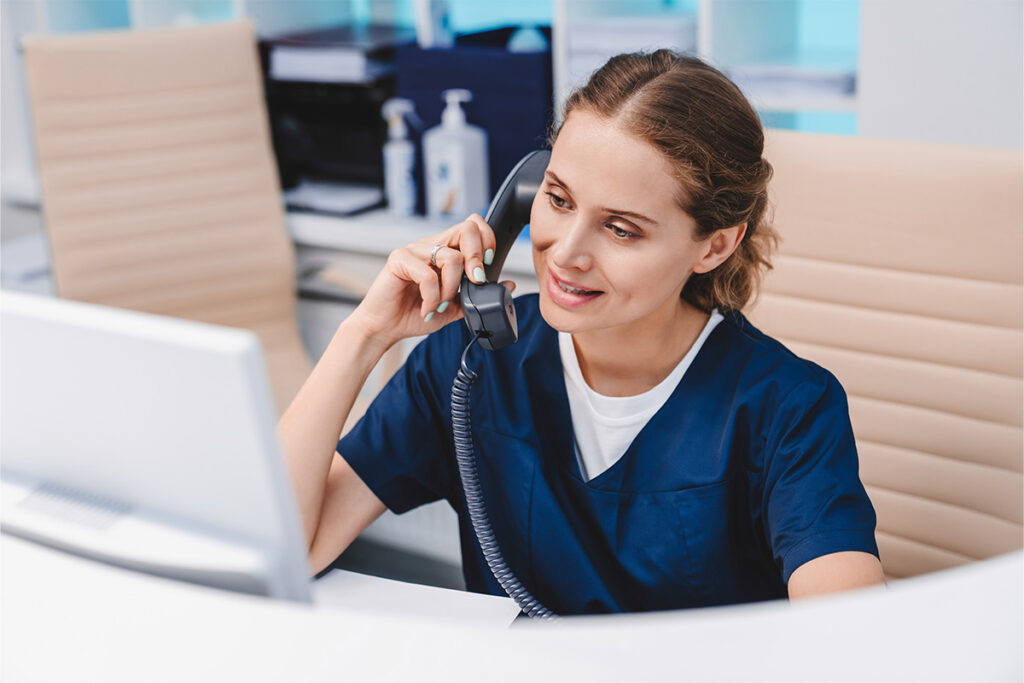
{"x":147,"y":442}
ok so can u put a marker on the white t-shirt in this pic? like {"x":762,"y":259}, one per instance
{"x":605,"y":426}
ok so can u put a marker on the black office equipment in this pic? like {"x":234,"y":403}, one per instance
{"x":324,"y":93}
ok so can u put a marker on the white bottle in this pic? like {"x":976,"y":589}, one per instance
{"x":399,"y":159}
{"x":456,"y":171}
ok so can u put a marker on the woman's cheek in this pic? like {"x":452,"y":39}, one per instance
{"x":540,"y":231}
{"x":537,"y":207}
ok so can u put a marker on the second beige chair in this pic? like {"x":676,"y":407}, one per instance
{"x":159,"y":186}
{"x":900,"y":271}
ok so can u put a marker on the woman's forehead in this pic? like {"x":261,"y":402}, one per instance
{"x":602,"y":162}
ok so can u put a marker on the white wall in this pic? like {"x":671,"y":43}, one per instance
{"x":942,"y":71}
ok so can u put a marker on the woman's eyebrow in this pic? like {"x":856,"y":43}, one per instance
{"x":619,"y":212}
{"x":631,"y":214}
{"x":555,"y":178}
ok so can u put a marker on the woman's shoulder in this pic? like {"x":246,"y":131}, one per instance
{"x":769,"y":357}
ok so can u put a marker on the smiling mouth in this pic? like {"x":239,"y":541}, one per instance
{"x":575,"y":290}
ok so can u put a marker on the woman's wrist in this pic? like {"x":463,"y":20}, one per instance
{"x":360,"y":337}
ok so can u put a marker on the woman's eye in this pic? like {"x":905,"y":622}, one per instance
{"x":557,"y":201}
{"x":620,"y":233}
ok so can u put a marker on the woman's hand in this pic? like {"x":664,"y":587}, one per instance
{"x":411,"y":297}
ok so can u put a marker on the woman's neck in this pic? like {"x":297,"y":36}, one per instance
{"x":631,"y":359}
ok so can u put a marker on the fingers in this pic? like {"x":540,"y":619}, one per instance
{"x":450,"y":263}
{"x":411,"y":267}
{"x":467,"y":248}
{"x":475,"y":240}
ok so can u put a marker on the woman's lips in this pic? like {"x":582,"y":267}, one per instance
{"x":568,"y":299}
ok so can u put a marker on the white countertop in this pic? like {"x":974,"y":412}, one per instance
{"x":66,"y":618}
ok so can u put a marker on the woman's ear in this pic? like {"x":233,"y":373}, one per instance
{"x":719,"y":246}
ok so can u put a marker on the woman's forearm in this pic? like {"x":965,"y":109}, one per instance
{"x":414,"y":294}
{"x":310,"y":427}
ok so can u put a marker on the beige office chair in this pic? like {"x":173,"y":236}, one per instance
{"x":159,"y":187}
{"x":900,"y":271}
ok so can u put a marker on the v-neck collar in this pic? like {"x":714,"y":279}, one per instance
{"x":610,"y":408}
{"x":553,"y":419}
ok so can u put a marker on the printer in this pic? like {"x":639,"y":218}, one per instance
{"x":324,"y":92}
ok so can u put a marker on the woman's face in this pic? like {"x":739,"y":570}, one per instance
{"x":611,"y":246}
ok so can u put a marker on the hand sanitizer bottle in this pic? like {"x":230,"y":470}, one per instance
{"x":455,"y":162}
{"x":399,"y":158}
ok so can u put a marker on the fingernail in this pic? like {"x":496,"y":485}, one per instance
{"x":443,"y":307}
{"x":478,"y":275}
{"x":488,"y":257}
{"x":428,"y":317}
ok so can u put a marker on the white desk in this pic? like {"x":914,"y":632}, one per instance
{"x":68,"y":619}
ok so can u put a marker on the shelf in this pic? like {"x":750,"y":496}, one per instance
{"x":771,"y":46}
{"x":847,"y":103}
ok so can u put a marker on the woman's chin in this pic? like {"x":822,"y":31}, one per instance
{"x":562,"y":320}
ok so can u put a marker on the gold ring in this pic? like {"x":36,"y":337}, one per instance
{"x":433,"y":254}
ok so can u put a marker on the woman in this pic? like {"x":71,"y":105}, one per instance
{"x":642,"y":446}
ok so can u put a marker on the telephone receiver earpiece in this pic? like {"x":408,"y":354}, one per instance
{"x":488,"y":308}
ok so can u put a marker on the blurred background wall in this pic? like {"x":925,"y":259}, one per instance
{"x":934,"y":70}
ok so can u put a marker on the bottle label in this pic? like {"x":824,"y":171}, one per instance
{"x":399,"y":185}
{"x":449,"y":176}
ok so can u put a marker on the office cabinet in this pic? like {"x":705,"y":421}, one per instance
{"x":795,"y":59}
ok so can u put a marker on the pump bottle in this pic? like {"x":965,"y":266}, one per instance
{"x":455,"y":162}
{"x":399,"y":158}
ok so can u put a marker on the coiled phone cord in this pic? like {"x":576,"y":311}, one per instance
{"x":474,"y":499}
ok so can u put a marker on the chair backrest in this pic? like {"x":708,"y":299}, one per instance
{"x":900,"y":271}
{"x":159,"y":187}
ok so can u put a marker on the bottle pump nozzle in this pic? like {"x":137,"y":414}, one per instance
{"x":394,"y":111}
{"x":453,"y":115}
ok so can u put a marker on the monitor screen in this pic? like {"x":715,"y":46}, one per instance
{"x":147,"y":442}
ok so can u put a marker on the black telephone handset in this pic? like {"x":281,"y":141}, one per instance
{"x":488,"y":308}
{"x":491,"y":318}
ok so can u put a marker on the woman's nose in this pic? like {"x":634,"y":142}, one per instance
{"x":572,"y":249}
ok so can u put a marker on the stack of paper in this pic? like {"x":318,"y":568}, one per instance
{"x":344,"y":54}
{"x":325,"y":65}
{"x":346,"y":590}
{"x":342,"y":199}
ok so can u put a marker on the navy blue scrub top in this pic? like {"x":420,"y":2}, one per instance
{"x":748,"y":471}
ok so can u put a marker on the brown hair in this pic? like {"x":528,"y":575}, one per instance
{"x":713,"y":139}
